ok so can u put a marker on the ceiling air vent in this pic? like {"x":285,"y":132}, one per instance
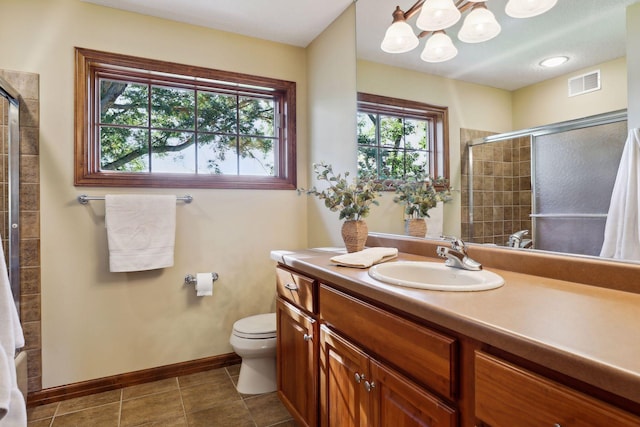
{"x":584,"y":83}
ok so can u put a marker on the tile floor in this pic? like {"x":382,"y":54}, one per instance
{"x":207,"y":399}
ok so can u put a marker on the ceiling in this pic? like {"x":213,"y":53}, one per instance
{"x":294,"y":22}
{"x":588,"y":31}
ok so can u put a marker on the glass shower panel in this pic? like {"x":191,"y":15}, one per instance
{"x":574,"y":173}
{"x":4,"y":179}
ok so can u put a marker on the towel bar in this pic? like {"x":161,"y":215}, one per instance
{"x":83,"y":199}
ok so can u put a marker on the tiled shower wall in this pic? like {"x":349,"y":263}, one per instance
{"x":501,"y":188}
{"x":28,"y":86}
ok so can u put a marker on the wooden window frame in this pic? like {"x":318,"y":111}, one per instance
{"x":439,"y":139}
{"x":89,"y":63}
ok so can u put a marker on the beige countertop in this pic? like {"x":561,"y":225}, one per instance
{"x":589,"y":333}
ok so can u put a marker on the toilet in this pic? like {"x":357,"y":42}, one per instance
{"x":254,"y":340}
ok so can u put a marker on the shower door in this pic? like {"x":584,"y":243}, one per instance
{"x":574,"y":170}
{"x":10,"y":184}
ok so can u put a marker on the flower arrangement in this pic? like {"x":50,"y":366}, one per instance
{"x":353,"y":200}
{"x":420,"y":193}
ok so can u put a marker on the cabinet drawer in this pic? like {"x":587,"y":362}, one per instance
{"x":422,"y":354}
{"x":507,"y":395}
{"x":297,"y":289}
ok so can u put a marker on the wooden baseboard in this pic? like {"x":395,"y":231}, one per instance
{"x":69,"y":391}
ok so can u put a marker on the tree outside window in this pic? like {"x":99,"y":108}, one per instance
{"x":398,"y":138}
{"x":162,"y":124}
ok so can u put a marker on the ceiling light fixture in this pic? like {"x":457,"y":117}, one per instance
{"x":479,"y":25}
{"x":554,"y":61}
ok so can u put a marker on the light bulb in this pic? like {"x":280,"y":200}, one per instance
{"x":480,"y":25}
{"x":554,"y":61}
{"x":528,"y":8}
{"x":439,"y":48}
{"x":399,"y":38}
{"x":437,"y":15}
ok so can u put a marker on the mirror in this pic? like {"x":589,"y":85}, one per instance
{"x":467,"y":84}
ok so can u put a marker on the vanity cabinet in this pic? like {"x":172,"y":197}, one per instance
{"x":362,"y":349}
{"x":356,"y":390}
{"x":508,"y":395}
{"x":297,"y":346}
{"x":347,"y":359}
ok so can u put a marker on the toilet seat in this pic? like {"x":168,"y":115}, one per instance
{"x":261,"y":326}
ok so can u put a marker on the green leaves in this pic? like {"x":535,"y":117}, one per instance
{"x":149,"y":127}
{"x":419,"y":194}
{"x":352,"y":200}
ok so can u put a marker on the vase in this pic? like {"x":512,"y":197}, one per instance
{"x":415,"y":227}
{"x":354,"y":234}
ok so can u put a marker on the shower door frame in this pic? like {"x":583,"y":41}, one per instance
{"x":532,"y":133}
{"x":13,"y":190}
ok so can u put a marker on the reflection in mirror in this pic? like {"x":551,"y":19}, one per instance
{"x":546,"y":188}
{"x":496,"y":108}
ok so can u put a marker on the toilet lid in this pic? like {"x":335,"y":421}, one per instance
{"x":258,"y":326}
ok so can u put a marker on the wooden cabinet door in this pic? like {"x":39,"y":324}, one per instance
{"x":343,"y":370}
{"x":507,"y":395}
{"x":297,"y":369}
{"x":398,"y":402}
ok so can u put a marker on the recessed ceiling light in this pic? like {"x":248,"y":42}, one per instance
{"x":554,"y":61}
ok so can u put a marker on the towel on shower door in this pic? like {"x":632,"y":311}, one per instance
{"x":622,"y":230}
{"x":141,"y":231}
{"x":12,"y":406}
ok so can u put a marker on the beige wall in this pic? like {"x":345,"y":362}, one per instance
{"x":470,"y":106}
{"x":548,"y":102}
{"x":96,"y":323}
{"x":332,"y":117}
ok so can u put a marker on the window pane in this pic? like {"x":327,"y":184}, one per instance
{"x":415,"y":134}
{"x":217,"y":155}
{"x":124,"y":149}
{"x":172,"y":108}
{"x":173,"y":152}
{"x":256,"y":116}
{"x":181,"y":125}
{"x":123,"y":103}
{"x":391,"y":131}
{"x":367,"y":161}
{"x":416,"y":162}
{"x":392,"y":164}
{"x":217,"y":113}
{"x":257,"y":156}
{"x":366,"y":128}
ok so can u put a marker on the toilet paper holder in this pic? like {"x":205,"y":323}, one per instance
{"x":191,"y":279}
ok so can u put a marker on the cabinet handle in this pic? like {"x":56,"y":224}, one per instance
{"x":557,"y":425}
{"x":359,"y":377}
{"x":369,"y":385}
{"x":291,"y":286}
{"x":307,"y":337}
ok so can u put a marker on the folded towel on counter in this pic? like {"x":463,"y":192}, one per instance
{"x":141,"y":231}
{"x":366,"y":257}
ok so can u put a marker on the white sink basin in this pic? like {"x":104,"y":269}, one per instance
{"x":434,"y":276}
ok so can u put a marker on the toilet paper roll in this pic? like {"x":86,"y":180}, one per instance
{"x":204,"y":284}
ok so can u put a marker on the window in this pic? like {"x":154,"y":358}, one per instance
{"x":397,"y":138}
{"x":147,"y":123}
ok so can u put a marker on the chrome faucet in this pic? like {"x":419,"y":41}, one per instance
{"x":456,"y":255}
{"x":516,"y":240}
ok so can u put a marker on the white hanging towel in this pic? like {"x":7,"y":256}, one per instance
{"x":141,"y":231}
{"x":622,"y":230}
{"x":13,"y":410}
